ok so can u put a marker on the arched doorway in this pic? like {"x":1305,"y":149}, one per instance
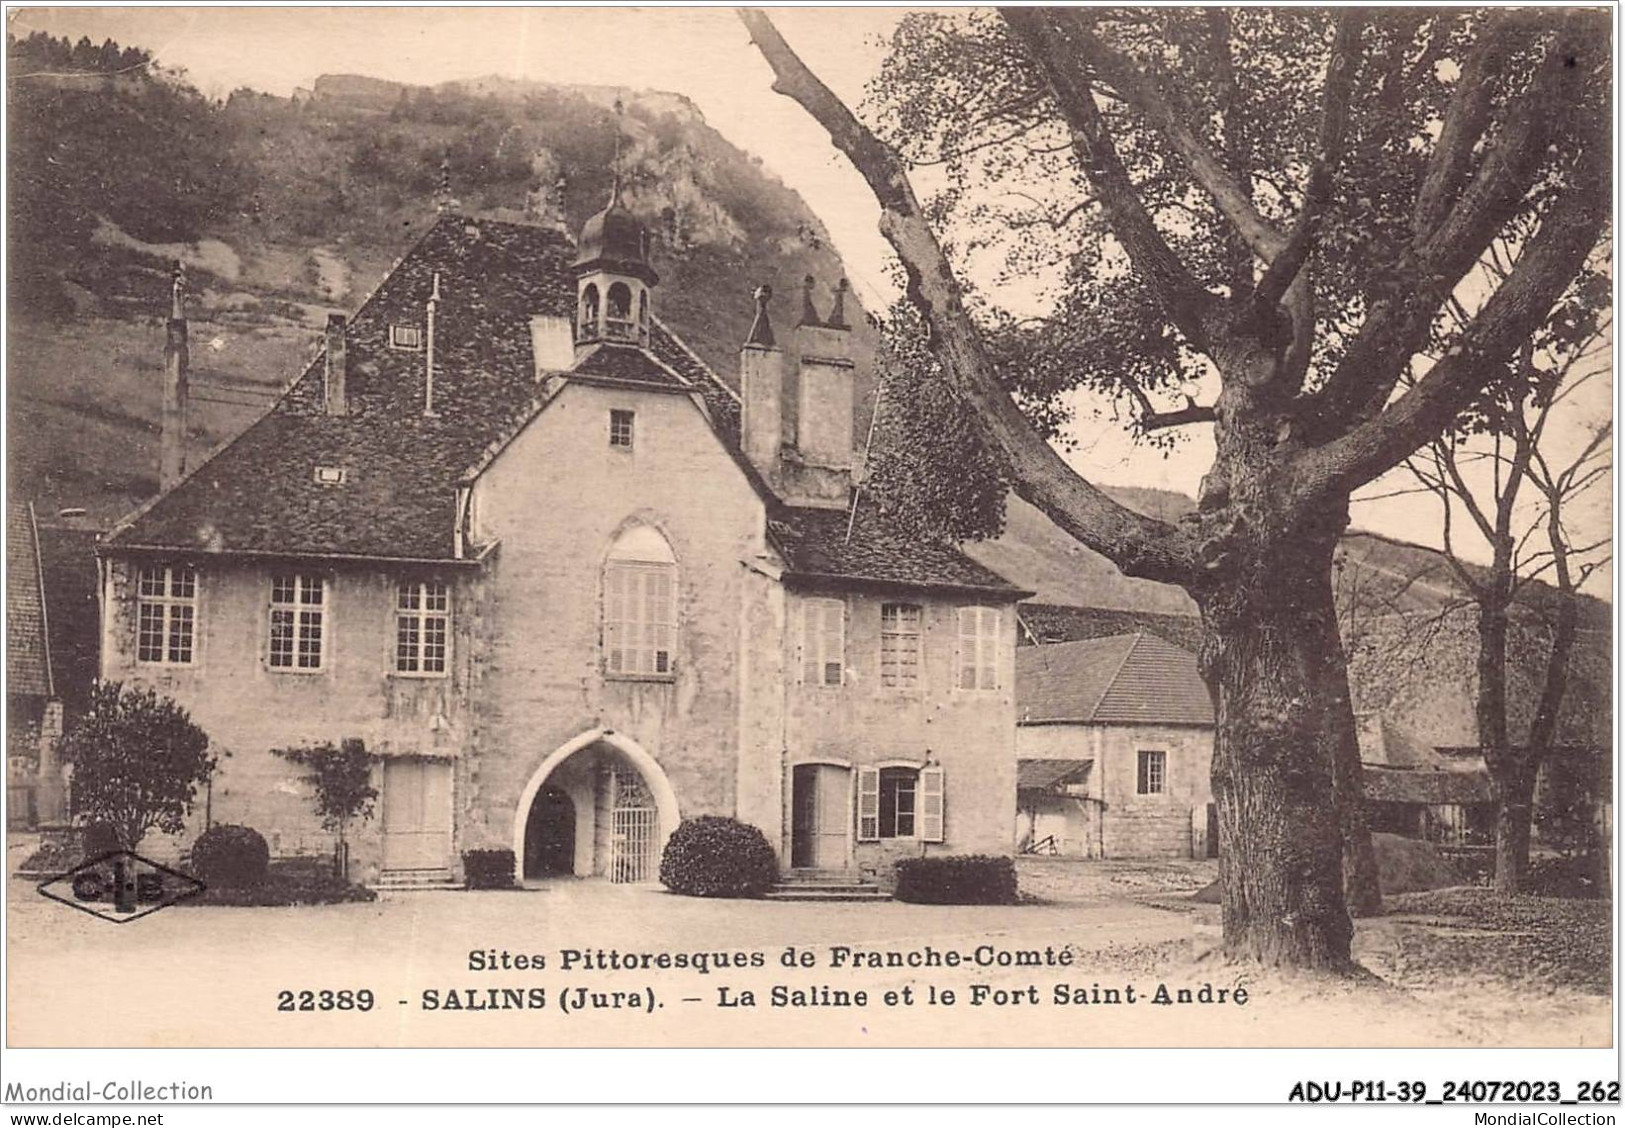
{"x":550,"y":835}
{"x":622,"y":808}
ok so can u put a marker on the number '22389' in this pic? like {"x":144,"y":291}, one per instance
{"x":344,"y":1000}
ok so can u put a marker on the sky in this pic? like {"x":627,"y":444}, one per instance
{"x":705,"y":54}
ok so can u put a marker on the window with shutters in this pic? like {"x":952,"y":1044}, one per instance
{"x":900,"y":802}
{"x":823,"y":642}
{"x":1152,"y":776}
{"x":899,"y":645}
{"x":979,"y":637}
{"x":166,"y":614}
{"x":298,"y":622}
{"x":422,"y":627}
{"x":640,"y":606}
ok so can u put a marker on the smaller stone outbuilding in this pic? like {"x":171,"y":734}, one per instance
{"x":1115,"y":745}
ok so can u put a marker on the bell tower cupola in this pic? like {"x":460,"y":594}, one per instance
{"x":613,"y":276}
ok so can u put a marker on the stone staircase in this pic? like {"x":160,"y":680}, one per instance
{"x":825,"y":885}
{"x":416,"y":881}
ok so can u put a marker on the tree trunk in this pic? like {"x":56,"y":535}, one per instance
{"x":1285,"y":736}
{"x":1514,"y":797}
{"x":1508,"y":767}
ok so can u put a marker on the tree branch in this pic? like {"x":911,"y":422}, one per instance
{"x":1138,"y":545}
{"x":1334,"y":116}
{"x":1065,"y":38}
{"x":1545,"y":268}
{"x":1045,"y":33}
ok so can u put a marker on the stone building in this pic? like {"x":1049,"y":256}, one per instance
{"x":569,"y":586}
{"x":1116,"y":748}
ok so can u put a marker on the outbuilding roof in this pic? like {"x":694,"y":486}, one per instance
{"x":1427,"y":786}
{"x":1043,"y":775}
{"x":1136,"y":679}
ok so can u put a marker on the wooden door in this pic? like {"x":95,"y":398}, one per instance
{"x":417,"y":814}
{"x":820,"y":816}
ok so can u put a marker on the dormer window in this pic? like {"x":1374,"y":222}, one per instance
{"x":407,"y":337}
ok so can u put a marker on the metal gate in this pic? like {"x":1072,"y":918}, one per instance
{"x":634,"y":830}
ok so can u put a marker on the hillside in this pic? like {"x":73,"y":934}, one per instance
{"x":283,"y":209}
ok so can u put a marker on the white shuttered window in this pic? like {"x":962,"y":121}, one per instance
{"x":640,"y":605}
{"x":823,"y":642}
{"x":900,"y":803}
{"x":979,"y":635}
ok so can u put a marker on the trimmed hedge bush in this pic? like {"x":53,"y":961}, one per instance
{"x":957,"y":879}
{"x":713,"y":856}
{"x":232,"y":857}
{"x":488,"y":869}
{"x":290,"y":881}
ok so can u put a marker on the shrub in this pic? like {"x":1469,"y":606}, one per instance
{"x":1577,"y":877}
{"x":957,"y":879}
{"x":290,"y":881}
{"x":1409,"y":865}
{"x":100,"y":838}
{"x":713,"y":856}
{"x":488,"y":869}
{"x":233,"y":857}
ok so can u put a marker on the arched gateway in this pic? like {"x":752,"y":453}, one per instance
{"x":621,"y":808}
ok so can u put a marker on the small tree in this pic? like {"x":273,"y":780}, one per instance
{"x":341,"y":779}
{"x":137,"y":762}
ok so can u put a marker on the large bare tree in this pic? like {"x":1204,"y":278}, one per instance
{"x":1486,"y":467}
{"x":1310,"y":271}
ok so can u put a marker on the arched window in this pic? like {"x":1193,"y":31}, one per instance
{"x":618,"y":312}
{"x":587,"y":326}
{"x":640,"y":605}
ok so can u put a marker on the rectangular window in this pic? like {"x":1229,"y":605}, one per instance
{"x":640,"y":618}
{"x":620,"y":429}
{"x":899,"y":645}
{"x":408,"y":337}
{"x":1152,"y":778}
{"x":897,"y":795}
{"x":298,"y":608}
{"x":900,"y":803}
{"x":166,"y":614}
{"x":979,"y":638}
{"x":823,"y":642}
{"x":422,"y":627}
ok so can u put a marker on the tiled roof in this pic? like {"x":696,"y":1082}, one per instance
{"x":28,"y":662}
{"x":260,"y":494}
{"x":402,"y":468}
{"x":628,"y":363}
{"x":816,"y":547}
{"x":1124,"y":680}
{"x":1041,"y":775}
{"x":1053,"y":622}
{"x":1421,"y":785}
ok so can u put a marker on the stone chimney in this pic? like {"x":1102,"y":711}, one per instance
{"x":335,"y":396}
{"x":761,"y":387}
{"x":552,"y":344}
{"x":797,"y":424}
{"x":177,"y":364}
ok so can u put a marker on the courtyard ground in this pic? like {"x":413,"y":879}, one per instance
{"x":212,"y":975}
